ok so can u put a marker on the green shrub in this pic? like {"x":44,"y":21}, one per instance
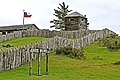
{"x":98,"y":58}
{"x":117,"y":63}
{"x":112,"y":42}
{"x":6,"y":45}
{"x":71,"y":52}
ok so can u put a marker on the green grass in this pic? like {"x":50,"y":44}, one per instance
{"x":65,"y":68}
{"x":22,"y":41}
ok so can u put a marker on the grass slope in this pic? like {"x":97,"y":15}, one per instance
{"x":22,"y":41}
{"x":64,"y":68}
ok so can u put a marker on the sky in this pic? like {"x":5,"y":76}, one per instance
{"x":100,"y":13}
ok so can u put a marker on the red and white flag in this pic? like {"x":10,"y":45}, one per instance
{"x":27,"y":15}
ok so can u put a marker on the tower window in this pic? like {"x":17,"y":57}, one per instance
{"x":82,"y":19}
{"x":72,"y":19}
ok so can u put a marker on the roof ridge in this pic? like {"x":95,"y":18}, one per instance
{"x":74,"y":14}
{"x":17,"y":25}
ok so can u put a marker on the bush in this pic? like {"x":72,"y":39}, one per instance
{"x":117,"y":63}
{"x":71,"y":52}
{"x":98,"y":58}
{"x":112,"y":42}
{"x":7,"y":45}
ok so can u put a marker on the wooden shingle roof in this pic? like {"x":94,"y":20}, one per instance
{"x":17,"y":27}
{"x":75,"y":14}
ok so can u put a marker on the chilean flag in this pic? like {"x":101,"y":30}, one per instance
{"x":27,"y":15}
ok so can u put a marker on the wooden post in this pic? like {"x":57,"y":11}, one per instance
{"x":30,"y":70}
{"x":39,"y":63}
{"x":47,"y":61}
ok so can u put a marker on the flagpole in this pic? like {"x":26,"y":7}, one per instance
{"x":23,"y":18}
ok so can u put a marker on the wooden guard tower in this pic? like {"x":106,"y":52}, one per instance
{"x":75,"y":21}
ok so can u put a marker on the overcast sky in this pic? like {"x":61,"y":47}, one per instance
{"x":100,"y":13}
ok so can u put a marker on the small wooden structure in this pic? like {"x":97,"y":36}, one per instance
{"x":39,"y":51}
{"x":12,"y":28}
{"x":75,"y":21}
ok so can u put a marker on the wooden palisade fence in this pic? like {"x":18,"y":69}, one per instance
{"x":14,"y":57}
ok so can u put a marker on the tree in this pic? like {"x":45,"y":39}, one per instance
{"x":60,"y":12}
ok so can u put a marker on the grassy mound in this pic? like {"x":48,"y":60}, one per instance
{"x":21,"y":41}
{"x":64,"y":68}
